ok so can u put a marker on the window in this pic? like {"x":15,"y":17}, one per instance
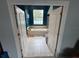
{"x":38,"y":17}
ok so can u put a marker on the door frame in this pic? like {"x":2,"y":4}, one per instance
{"x":11,"y":4}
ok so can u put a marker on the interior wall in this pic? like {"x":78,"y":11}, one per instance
{"x":6,"y":33}
{"x":71,"y":32}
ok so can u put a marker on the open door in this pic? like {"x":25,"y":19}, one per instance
{"x":54,"y":20}
{"x":21,"y":26}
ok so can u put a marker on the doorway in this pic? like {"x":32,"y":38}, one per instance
{"x":56,"y":3}
{"x":38,"y":29}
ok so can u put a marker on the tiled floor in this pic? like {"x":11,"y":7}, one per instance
{"x":36,"y":47}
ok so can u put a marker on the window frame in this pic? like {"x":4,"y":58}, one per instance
{"x":43,"y":18}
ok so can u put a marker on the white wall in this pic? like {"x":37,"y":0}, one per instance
{"x":71,"y":32}
{"x":6,"y":34}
